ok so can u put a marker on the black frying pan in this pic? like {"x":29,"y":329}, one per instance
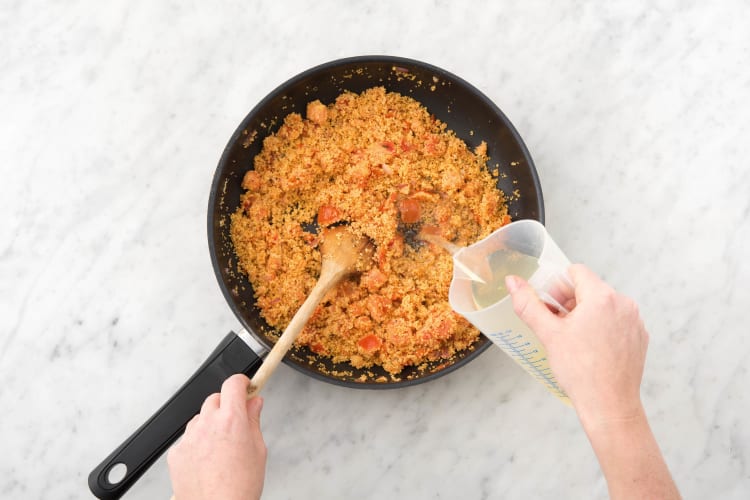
{"x":468,"y":112}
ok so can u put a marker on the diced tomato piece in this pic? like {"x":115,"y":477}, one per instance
{"x":378,"y":307}
{"x":373,"y":279}
{"x":317,"y":111}
{"x":389,"y":146}
{"x":317,"y":348}
{"x":370,"y":343}
{"x":452,"y":180}
{"x":433,"y":146}
{"x":328,"y":215}
{"x":410,"y":210}
{"x":251,"y":180}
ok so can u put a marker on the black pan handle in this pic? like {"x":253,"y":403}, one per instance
{"x":140,"y":451}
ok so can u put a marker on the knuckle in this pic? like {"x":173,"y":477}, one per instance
{"x":209,"y":402}
{"x":240,"y":379}
{"x":576,"y":268}
{"x":579,"y":273}
{"x":628,"y":307}
{"x":231,"y":382}
{"x":224,"y":421}
{"x":633,"y":307}
{"x":226,"y":416}
{"x":608,"y":298}
{"x":226,"y":384}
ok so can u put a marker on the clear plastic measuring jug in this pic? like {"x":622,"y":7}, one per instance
{"x":477,"y":291}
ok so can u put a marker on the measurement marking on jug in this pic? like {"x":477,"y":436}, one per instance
{"x":519,"y":350}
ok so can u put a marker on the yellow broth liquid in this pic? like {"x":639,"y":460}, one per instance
{"x":502,"y":263}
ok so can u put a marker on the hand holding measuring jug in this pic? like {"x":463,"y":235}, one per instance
{"x":597,"y":352}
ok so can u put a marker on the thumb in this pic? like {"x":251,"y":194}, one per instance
{"x":254,"y":405}
{"x":529,"y":307}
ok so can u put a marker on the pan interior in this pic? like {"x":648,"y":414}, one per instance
{"x":463,"y":108}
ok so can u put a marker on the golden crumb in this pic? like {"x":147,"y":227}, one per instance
{"x":249,"y":139}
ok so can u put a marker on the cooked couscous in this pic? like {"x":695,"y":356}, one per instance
{"x":379,"y":162}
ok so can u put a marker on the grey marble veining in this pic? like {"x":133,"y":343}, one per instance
{"x":113,"y":119}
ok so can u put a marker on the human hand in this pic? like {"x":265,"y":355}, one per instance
{"x":222,"y":453}
{"x":597,"y":351}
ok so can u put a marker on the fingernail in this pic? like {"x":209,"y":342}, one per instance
{"x":512,"y":283}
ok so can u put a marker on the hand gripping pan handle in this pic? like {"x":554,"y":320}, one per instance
{"x":146,"y":445}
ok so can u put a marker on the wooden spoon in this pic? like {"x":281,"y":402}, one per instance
{"x":343,"y":253}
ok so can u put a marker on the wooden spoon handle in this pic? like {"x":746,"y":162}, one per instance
{"x":329,"y":276}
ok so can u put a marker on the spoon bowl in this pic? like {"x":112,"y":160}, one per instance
{"x":343,"y":253}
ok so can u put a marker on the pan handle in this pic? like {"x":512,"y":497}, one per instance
{"x":140,"y":451}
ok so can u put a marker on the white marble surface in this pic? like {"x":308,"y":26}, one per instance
{"x":114,"y":115}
